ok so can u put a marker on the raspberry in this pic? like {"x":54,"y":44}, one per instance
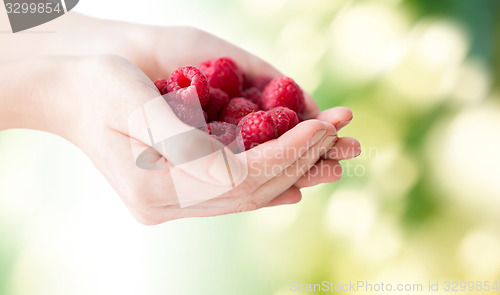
{"x":254,"y":95}
{"x":262,"y":108}
{"x":256,"y":128}
{"x":188,"y":96}
{"x":161,"y":84}
{"x":226,"y":133}
{"x":236,"y":109}
{"x":188,"y":114}
{"x":204,"y":128}
{"x":283,"y":92}
{"x":187,"y":76}
{"x":223,"y":73}
{"x":247,"y":81}
{"x":284,"y":119}
{"x":217,"y":99}
{"x":222,"y":131}
{"x":259,"y":82}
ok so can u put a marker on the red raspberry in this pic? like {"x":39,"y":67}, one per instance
{"x":188,"y":96}
{"x":256,"y":128}
{"x":161,"y":84}
{"x":217,"y":99}
{"x":223,"y":73}
{"x":236,"y":109}
{"x":283,"y":92}
{"x":187,"y":76}
{"x":254,"y":95}
{"x":204,"y":128}
{"x":188,"y":114}
{"x":223,"y":132}
{"x":284,"y":119}
{"x":259,"y":82}
{"x":247,"y":81}
{"x":226,"y":133}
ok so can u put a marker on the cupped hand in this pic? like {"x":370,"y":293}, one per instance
{"x":271,"y":174}
{"x":178,"y":46}
{"x":109,"y":90}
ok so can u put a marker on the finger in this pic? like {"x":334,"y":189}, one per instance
{"x":212,"y":47}
{"x":345,"y":148}
{"x":201,"y":168}
{"x":171,"y":185}
{"x":154,"y":121}
{"x":311,"y":110}
{"x":214,"y":207}
{"x":290,"y":196}
{"x":252,"y":65}
{"x":137,"y":187}
{"x":338,"y":116}
{"x":325,"y":171}
{"x":281,"y":186}
{"x":272,"y":157}
{"x":292,"y":173}
{"x":155,"y":124}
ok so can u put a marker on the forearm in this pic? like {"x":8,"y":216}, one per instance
{"x":74,"y":34}
{"x":29,"y":91}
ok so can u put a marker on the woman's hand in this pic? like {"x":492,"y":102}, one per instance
{"x":187,"y":45}
{"x":89,"y":101}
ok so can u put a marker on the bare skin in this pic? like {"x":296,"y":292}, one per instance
{"x":83,"y":81}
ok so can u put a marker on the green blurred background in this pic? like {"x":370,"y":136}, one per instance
{"x":422,"y":202}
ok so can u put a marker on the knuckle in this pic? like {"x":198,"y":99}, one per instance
{"x":146,"y":218}
{"x":247,"y":187}
{"x":188,"y":30}
{"x":148,"y":192}
{"x":104,"y":62}
{"x":135,"y":197}
{"x":313,"y":124}
{"x":142,"y":200}
{"x":108,"y":59}
{"x":247,"y":205}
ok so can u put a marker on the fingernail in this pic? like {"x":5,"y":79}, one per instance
{"x":316,"y":138}
{"x":358,"y":152}
{"x":356,"y":148}
{"x":342,"y":124}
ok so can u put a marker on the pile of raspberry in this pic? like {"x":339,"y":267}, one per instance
{"x":240,"y":111}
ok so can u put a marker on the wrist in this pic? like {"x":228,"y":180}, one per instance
{"x":78,"y":35}
{"x":30,"y":96}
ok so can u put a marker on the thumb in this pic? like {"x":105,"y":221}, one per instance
{"x":200,"y":166}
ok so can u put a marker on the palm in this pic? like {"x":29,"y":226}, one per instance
{"x":149,"y":193}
